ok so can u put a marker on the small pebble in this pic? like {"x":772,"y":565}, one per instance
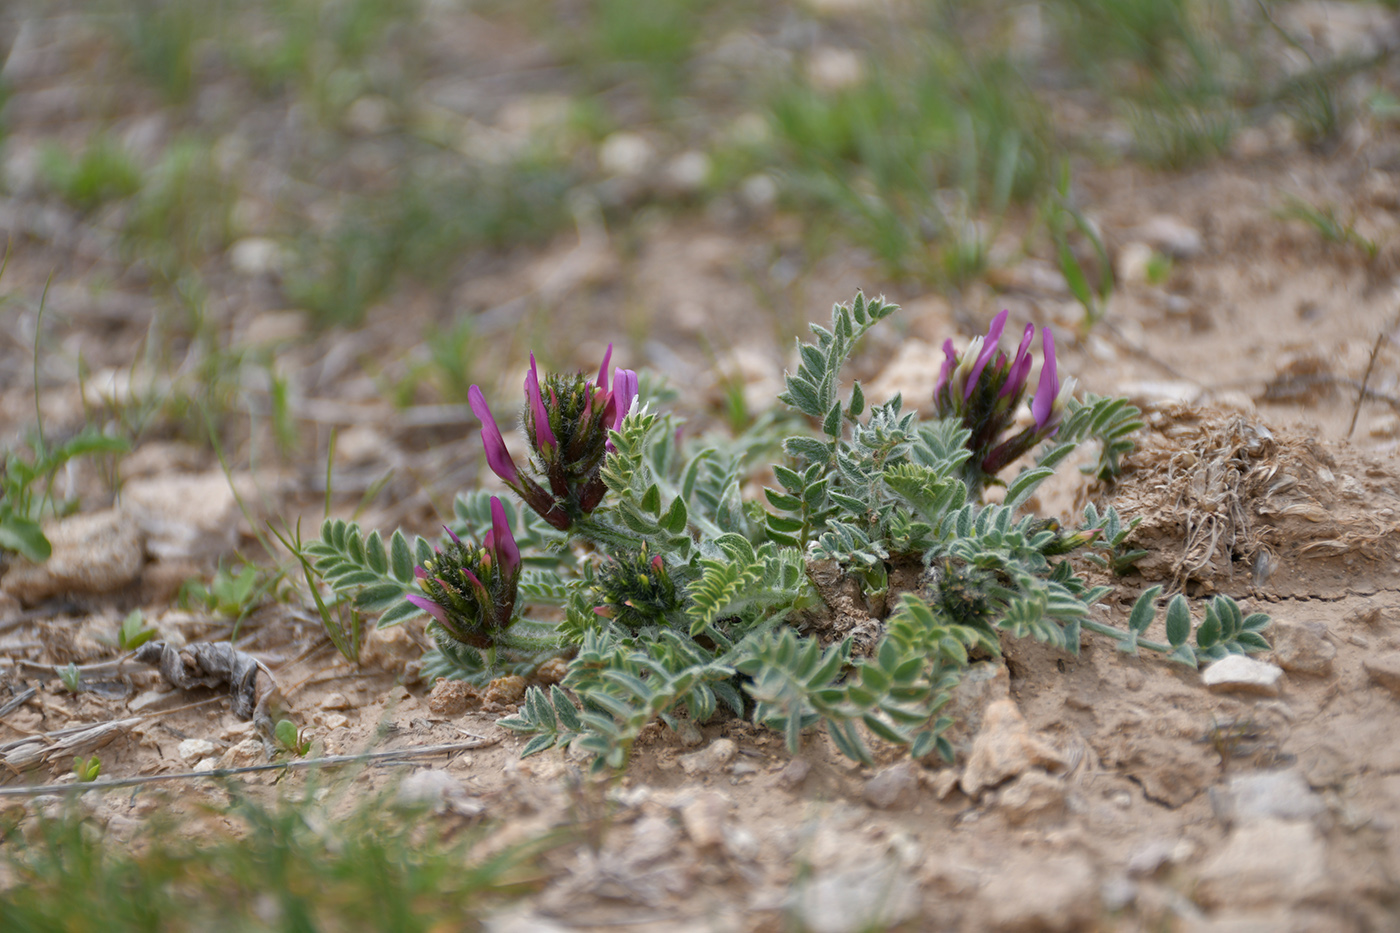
{"x":794,"y":773}
{"x":194,"y":749}
{"x":335,"y":701}
{"x":1384,"y":670}
{"x":1301,"y":648}
{"x":710,"y":759}
{"x":1245,"y":674}
{"x":704,"y":819}
{"x":893,"y":787}
{"x":689,"y":733}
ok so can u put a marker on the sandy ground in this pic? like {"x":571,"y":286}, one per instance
{"x":1128,"y":794}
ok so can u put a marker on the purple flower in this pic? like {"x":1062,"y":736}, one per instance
{"x":983,"y":389}
{"x":624,"y":393}
{"x":497,"y":456}
{"x":950,"y":360}
{"x":427,"y":605}
{"x":1020,"y":367}
{"x":541,"y":434}
{"x":603,"y":370}
{"x":1049,"y":388}
{"x":989,"y":347}
{"x":500,"y":539}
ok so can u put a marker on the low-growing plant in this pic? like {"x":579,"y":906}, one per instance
{"x":1063,"y":220}
{"x":87,"y":769}
{"x":27,"y":488}
{"x":675,"y":593}
{"x":1328,"y":225}
{"x":229,"y":593}
{"x":911,"y":157}
{"x":423,"y":225}
{"x":291,"y":739}
{"x":23,"y":506}
{"x":71,"y":677}
{"x":295,"y":862}
{"x":184,"y":212}
{"x":133,"y":632}
{"x":103,"y":171}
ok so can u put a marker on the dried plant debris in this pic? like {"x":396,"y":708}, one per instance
{"x":1228,"y":504}
{"x":60,"y":746}
{"x":214,"y":664}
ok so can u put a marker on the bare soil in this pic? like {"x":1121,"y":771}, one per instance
{"x":1250,"y":480}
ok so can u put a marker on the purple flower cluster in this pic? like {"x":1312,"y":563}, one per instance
{"x":567,"y":419}
{"x":983,"y":388}
{"x":471,"y":590}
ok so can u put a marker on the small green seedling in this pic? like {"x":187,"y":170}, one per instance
{"x":72,"y":678}
{"x":292,"y":739}
{"x":87,"y":769}
{"x":1329,"y":225}
{"x":1159,"y":268}
{"x":133,"y":632}
{"x":228,"y":594}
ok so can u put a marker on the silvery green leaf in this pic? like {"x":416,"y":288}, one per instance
{"x":1178,"y":621}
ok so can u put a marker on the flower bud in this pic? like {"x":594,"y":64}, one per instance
{"x":567,"y":419}
{"x":470,"y":591}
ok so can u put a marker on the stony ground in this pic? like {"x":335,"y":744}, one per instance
{"x":1097,"y":792}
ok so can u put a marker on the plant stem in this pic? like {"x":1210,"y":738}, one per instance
{"x":1118,"y":633}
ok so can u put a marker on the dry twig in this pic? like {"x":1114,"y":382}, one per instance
{"x":300,"y":764}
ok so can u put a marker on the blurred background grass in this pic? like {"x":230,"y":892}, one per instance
{"x":356,"y":163}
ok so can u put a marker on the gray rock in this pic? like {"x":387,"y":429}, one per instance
{"x":626,"y":154}
{"x":428,"y":786}
{"x":689,"y":733}
{"x":245,"y":754}
{"x":704,"y":818}
{"x":687,"y":173}
{"x":1118,"y":893}
{"x":1035,"y":895}
{"x":851,"y":901}
{"x":194,"y":749}
{"x":1155,"y":854}
{"x":522,"y":920}
{"x":1265,"y":863}
{"x":187,"y":515}
{"x":438,"y":790}
{"x":1280,"y":795}
{"x":981,"y":684}
{"x":1237,"y":672}
{"x":741,"y":844}
{"x":1170,"y":236}
{"x":93,"y":552}
{"x":945,"y":782}
{"x":1302,"y":648}
{"x":1004,"y":749}
{"x":1171,"y":771}
{"x":895,"y":786}
{"x":255,"y":255}
{"x":709,"y":759}
{"x":1383,"y":669}
{"x":653,"y":838}
{"x":1033,"y":797}
{"x":794,"y":773}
